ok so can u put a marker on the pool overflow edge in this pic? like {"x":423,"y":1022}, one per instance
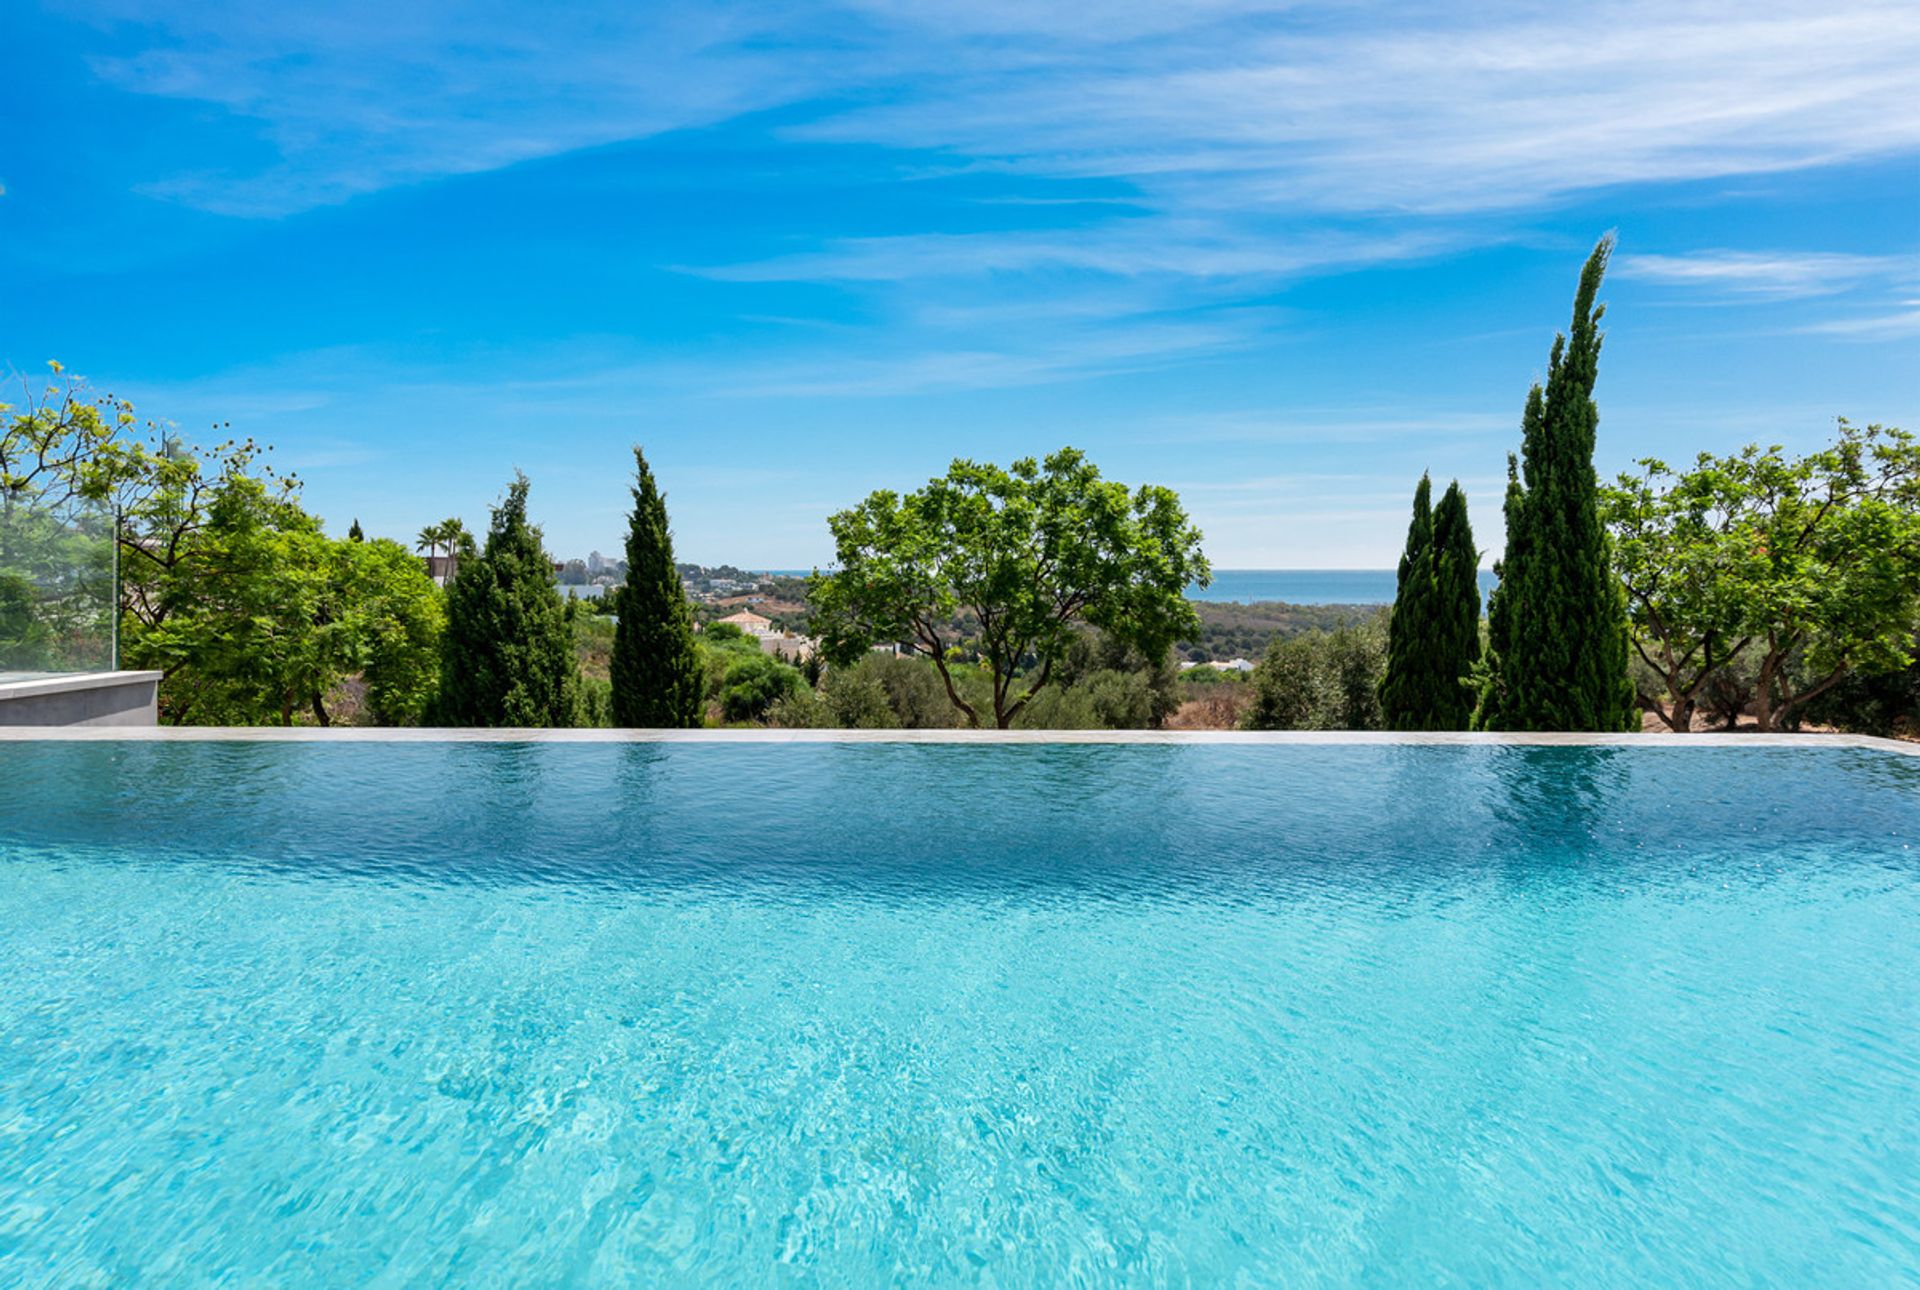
{"x":1299,"y":738}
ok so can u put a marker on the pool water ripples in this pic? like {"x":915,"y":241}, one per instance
{"x":857,"y":1014}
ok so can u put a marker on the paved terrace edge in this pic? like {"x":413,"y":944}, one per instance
{"x":1302,"y":738}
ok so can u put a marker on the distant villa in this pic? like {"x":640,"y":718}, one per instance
{"x":772,"y":640}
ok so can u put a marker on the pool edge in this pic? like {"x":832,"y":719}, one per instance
{"x":366,"y":734}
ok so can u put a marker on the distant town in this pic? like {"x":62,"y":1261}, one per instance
{"x":771,"y":607}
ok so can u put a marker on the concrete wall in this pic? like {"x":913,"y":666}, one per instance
{"x":83,"y":699}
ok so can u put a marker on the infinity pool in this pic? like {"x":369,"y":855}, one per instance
{"x":323,"y":1014}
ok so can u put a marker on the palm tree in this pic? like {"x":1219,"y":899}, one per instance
{"x":459,"y":542}
{"x":449,"y":535}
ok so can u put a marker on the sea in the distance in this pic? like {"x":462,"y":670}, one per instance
{"x":1309,"y":586}
{"x":1249,"y":586}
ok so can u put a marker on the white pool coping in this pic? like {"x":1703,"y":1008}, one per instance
{"x":1306,"y":738}
{"x":42,"y":683}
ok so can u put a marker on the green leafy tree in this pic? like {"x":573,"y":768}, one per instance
{"x":398,"y":616}
{"x":508,"y":655}
{"x":1321,"y":680}
{"x":1805,"y":570}
{"x":68,"y":458}
{"x":228,"y":586}
{"x":656,"y":673}
{"x":256,"y":625}
{"x":1559,"y":626}
{"x":263,"y":616}
{"x":1025,"y":556}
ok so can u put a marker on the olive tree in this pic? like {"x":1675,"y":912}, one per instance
{"x":1807,"y":567}
{"x":1009,"y":562}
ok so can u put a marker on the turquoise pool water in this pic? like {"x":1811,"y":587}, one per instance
{"x":847,"y":1015}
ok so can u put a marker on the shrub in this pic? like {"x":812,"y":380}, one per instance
{"x":1321,"y":681}
{"x":801,"y":710}
{"x":855,"y":699}
{"x":753,"y":683}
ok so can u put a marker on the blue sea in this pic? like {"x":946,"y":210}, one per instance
{"x":1310,"y":586}
{"x":852,"y":1015}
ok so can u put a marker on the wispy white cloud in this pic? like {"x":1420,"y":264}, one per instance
{"x":1203,"y":106}
{"x":1770,"y":275}
{"x":359,"y":95}
{"x":1069,"y":353}
{"x":1135,"y":248}
{"x":1893,"y":326}
{"x":1427,"y":109}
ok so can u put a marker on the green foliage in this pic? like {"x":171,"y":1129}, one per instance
{"x":1880,"y":703}
{"x":1433,"y":640}
{"x":259,"y":616}
{"x":1102,"y":700}
{"x":803,"y":709}
{"x":1808,"y":567}
{"x":911,"y":687}
{"x":1558,"y":626}
{"x":718,"y":646}
{"x":398,"y":616}
{"x":1229,"y":631}
{"x":1322,"y":680}
{"x":1031,"y":553}
{"x":857,"y":699}
{"x":656,"y":674}
{"x":753,"y":683}
{"x":596,"y":702}
{"x":1103,"y":683}
{"x":56,"y":587}
{"x":56,"y":532}
{"x":507,"y":657}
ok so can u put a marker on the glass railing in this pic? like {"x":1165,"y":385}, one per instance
{"x":57,"y":588}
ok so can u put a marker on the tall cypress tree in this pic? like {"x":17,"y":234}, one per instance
{"x":507,"y":657}
{"x":657,"y":678}
{"x":1433,"y":639}
{"x":1455,"y":634}
{"x":1404,"y":690}
{"x":1558,"y":629}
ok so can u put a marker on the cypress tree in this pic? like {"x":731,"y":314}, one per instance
{"x":1433,"y":640}
{"x":507,"y":656}
{"x":1405,"y":689}
{"x":657,"y":677}
{"x":1455,"y":634}
{"x":1558,"y":625}
{"x":355,"y":534}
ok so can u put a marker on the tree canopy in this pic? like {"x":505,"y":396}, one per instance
{"x":1809,"y":565}
{"x":1013,"y":560}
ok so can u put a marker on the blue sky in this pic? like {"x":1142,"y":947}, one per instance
{"x":1282,"y":258}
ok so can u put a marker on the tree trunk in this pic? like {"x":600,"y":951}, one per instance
{"x":320,"y":709}
{"x":1763,"y":696}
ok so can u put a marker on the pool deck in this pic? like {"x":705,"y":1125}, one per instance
{"x":369,"y":734}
